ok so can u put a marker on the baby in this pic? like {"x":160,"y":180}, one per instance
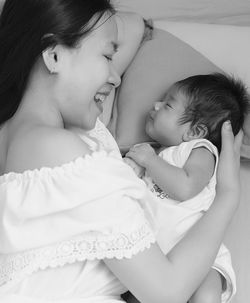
{"x":181,"y":173}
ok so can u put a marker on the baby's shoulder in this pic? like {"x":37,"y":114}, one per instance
{"x":203,"y":153}
{"x":43,"y":146}
{"x":200,"y":152}
{"x":203,"y":159}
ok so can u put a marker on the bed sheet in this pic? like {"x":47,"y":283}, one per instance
{"x":233,"y":12}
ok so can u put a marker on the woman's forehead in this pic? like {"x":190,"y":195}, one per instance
{"x":104,"y":33}
{"x":106,"y":27}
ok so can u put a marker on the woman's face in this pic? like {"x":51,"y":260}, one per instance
{"x":88,"y":76}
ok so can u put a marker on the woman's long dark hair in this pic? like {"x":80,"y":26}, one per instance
{"x":27,"y":28}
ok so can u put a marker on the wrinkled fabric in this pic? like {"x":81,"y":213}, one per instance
{"x":58,"y":224}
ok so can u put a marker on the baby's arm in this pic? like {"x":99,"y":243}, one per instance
{"x":179,"y":183}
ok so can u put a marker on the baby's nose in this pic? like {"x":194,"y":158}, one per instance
{"x":157,"y":105}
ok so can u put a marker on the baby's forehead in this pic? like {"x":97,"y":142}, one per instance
{"x":172,"y":88}
{"x":175,"y":91}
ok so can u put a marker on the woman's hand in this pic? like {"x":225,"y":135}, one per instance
{"x":228,"y":173}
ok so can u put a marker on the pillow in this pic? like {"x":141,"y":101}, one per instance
{"x":177,"y":50}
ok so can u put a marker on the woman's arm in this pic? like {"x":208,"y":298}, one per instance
{"x":152,"y":277}
{"x":130,"y":32}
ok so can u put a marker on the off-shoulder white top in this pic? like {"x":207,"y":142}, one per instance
{"x":58,"y":224}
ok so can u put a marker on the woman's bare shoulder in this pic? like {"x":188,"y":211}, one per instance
{"x":43,"y":146}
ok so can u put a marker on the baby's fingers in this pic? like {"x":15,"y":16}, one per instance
{"x":129,"y":154}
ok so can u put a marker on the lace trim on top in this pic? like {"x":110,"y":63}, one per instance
{"x":90,"y":246}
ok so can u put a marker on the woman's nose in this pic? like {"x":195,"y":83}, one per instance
{"x":114,"y":77}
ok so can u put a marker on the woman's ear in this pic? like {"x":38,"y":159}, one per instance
{"x":196,"y":131}
{"x":50,"y":59}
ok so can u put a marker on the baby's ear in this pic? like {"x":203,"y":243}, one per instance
{"x":196,"y":131}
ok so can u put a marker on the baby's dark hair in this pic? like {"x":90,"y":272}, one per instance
{"x":213,"y":99}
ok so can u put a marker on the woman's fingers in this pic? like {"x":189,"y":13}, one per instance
{"x":229,"y":161}
{"x":229,"y":140}
{"x":238,"y":141}
{"x":227,"y":137}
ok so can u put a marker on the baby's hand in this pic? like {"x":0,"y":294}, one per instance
{"x":141,"y":153}
{"x":139,"y":170}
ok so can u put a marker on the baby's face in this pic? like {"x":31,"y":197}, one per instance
{"x":162,"y":123}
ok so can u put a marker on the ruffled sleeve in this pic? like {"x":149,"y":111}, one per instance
{"x":178,"y":155}
{"x":86,"y":209}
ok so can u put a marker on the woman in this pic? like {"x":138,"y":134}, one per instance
{"x":72,"y":228}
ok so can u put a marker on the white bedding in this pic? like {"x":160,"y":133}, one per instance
{"x":234,"y":12}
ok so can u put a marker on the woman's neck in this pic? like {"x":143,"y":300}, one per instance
{"x":39,"y":104}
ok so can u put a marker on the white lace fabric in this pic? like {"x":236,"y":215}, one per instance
{"x":85,"y":247}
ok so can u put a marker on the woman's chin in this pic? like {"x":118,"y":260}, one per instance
{"x":89,"y":125}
